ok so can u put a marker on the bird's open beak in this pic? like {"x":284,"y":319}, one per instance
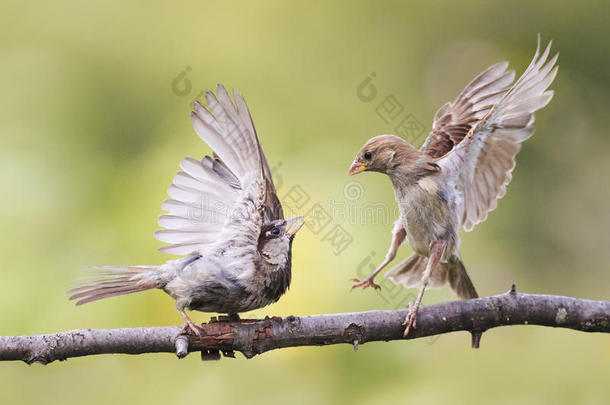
{"x":293,"y":225}
{"x":356,"y":167}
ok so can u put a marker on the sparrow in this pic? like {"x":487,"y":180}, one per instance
{"x":224,"y":217}
{"x":455,"y":179}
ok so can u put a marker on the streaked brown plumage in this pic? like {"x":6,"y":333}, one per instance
{"x":224,"y":215}
{"x":459,"y":173}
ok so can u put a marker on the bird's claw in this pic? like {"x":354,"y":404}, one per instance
{"x":410,"y":320}
{"x":191,"y":327}
{"x":365,"y":284}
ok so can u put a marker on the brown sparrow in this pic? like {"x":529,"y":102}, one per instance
{"x":224,"y":216}
{"x":457,"y":176}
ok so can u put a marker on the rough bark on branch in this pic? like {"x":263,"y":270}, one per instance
{"x":252,"y":337}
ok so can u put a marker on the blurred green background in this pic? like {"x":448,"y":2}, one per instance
{"x":93,"y":127}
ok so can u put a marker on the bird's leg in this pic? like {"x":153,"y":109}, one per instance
{"x":189,"y":325}
{"x":436,"y":252}
{"x":397,"y":238}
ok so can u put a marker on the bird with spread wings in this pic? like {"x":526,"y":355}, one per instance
{"x":224,"y":216}
{"x":456,"y":178}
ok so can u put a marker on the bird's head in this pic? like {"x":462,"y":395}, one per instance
{"x":275,"y":240}
{"x":275,"y":248}
{"x":383,"y":154}
{"x":387,"y":153}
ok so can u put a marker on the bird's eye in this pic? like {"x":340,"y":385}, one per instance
{"x":273,"y":232}
{"x":368,"y":155}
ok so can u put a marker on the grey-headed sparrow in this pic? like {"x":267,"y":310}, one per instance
{"x":224,"y":216}
{"x":457,"y":176}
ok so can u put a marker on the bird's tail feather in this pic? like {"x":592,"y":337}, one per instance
{"x":410,"y":271}
{"x":460,"y":281}
{"x":112,"y":281}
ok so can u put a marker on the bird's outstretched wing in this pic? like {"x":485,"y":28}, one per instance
{"x":453,"y":120}
{"x":209,"y":194}
{"x":482,"y":163}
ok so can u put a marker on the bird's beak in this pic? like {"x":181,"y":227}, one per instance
{"x":293,"y":225}
{"x":356,"y":167}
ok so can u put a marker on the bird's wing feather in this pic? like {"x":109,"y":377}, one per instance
{"x":453,"y":120}
{"x":272,"y":206}
{"x":209,"y":196}
{"x":482,"y":163}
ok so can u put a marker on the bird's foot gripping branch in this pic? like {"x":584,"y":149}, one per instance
{"x":252,"y":337}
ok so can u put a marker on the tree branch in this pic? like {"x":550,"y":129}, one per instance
{"x":252,"y":337}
